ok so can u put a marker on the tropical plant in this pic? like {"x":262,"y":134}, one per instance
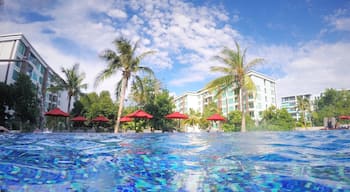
{"x":194,"y":118}
{"x":7,"y":101}
{"x":304,"y":106}
{"x":235,"y":70}
{"x":332,"y":103}
{"x":159,"y":106}
{"x":26,"y":104}
{"x":125,"y":61}
{"x":143,"y":94}
{"x":274,"y":119}
{"x":94,"y":105}
{"x":73,"y":83}
{"x":208,"y":110}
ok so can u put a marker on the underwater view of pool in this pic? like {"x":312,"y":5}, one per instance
{"x":254,"y":161}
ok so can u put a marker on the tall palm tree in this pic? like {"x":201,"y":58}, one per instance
{"x":73,"y":83}
{"x":235,"y":70}
{"x":125,"y":61}
{"x":303,"y":105}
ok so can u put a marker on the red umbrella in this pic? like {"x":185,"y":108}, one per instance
{"x":344,"y":117}
{"x":140,"y":114}
{"x":216,"y":117}
{"x":100,"y":118}
{"x":79,"y":119}
{"x":125,"y":119}
{"x":56,"y":112}
{"x":176,"y":115}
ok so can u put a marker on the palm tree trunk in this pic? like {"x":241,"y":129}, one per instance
{"x":121,"y":103}
{"x":243,"y":129}
{"x":67,"y":120}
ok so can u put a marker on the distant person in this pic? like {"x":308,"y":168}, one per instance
{"x":329,"y":125}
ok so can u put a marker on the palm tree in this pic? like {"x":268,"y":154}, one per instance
{"x":235,"y":70}
{"x":73,"y":83}
{"x":194,"y":118}
{"x":125,"y":61}
{"x":303,"y":105}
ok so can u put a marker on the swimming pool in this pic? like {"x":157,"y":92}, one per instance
{"x":254,"y":161}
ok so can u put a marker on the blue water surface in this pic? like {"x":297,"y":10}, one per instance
{"x":254,"y":161}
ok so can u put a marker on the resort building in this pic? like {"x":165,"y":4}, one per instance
{"x":255,"y":104}
{"x":290,"y":103}
{"x":17,"y":56}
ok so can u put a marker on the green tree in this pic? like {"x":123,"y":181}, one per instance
{"x":234,"y":121}
{"x":126,"y":61}
{"x":159,"y":105}
{"x":73,"y":83}
{"x":7,"y":99}
{"x":274,"y":119}
{"x":194,"y":118}
{"x":101,"y":104}
{"x":332,"y":103}
{"x":142,"y":94}
{"x":26,"y":104}
{"x":235,"y":72}
{"x":208,"y":110}
{"x":78,"y":109}
{"x":304,"y":106}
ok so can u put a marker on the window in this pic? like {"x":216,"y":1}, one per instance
{"x":230,"y":101}
{"x":251,"y":105}
{"x":251,"y":114}
{"x":21,"y":48}
{"x":14,"y":75}
{"x":251,"y":96}
{"x":42,"y":69}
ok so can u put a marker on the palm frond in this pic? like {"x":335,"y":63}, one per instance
{"x":253,"y":63}
{"x":146,"y":70}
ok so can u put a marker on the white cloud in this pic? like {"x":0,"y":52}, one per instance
{"x":339,"y":20}
{"x":342,"y":24}
{"x":181,"y":34}
{"x":315,"y":67}
{"x":117,"y":13}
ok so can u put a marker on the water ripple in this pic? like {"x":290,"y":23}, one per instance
{"x":256,"y":161}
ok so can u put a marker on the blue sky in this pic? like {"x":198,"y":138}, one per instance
{"x":305,"y":43}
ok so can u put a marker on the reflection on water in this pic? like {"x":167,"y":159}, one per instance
{"x":257,"y":161}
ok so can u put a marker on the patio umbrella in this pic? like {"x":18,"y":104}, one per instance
{"x":100,"y":118}
{"x":79,"y":119}
{"x":139,"y":114}
{"x":344,"y":117}
{"x":176,"y":115}
{"x":216,"y":117}
{"x":56,"y":112}
{"x":125,"y":119}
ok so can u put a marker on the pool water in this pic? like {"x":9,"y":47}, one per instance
{"x":254,"y":161}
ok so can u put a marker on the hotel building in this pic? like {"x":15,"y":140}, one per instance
{"x":17,"y":55}
{"x":290,"y":103}
{"x":255,"y":104}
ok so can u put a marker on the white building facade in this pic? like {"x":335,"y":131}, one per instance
{"x":290,"y":103}
{"x":254,"y":103}
{"x":17,"y":56}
